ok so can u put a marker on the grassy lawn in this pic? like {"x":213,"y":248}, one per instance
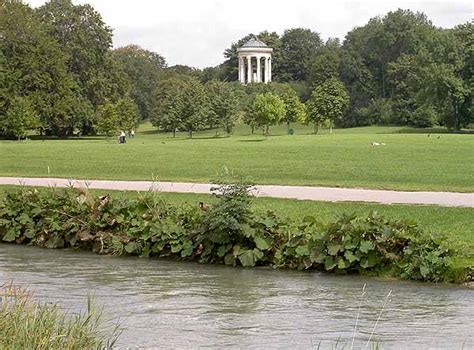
{"x":411,"y":159}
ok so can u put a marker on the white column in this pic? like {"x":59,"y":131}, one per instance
{"x":249,"y":69}
{"x":240,"y":69}
{"x":259,"y":70}
{"x":269,"y":69}
{"x":266,"y":70}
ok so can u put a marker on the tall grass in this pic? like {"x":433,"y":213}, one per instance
{"x":28,"y":324}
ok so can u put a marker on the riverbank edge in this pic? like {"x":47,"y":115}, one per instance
{"x":259,"y":252}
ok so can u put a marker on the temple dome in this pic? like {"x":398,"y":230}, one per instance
{"x":254,"y":42}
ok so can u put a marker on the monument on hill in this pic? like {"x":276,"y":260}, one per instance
{"x":255,"y":62}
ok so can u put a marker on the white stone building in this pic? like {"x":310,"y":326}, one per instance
{"x":255,"y":62}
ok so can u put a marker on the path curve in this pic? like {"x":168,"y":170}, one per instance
{"x":330,"y":194}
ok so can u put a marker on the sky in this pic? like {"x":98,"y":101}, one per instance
{"x":196,"y":33}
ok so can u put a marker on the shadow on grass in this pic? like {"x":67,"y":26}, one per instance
{"x":432,"y":131}
{"x":71,"y":138}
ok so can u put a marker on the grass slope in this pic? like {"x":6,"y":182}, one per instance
{"x":408,"y":161}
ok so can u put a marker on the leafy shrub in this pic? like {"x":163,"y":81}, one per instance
{"x":229,"y":232}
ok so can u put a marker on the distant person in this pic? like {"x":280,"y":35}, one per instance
{"x":132,"y":133}
{"x":122,"y":137}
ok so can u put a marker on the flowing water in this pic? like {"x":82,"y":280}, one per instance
{"x":171,"y":304}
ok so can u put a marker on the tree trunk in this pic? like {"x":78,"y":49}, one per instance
{"x":190,"y":133}
{"x":253,"y":129}
{"x":266,"y":130}
{"x":174,"y":132}
{"x":315,"y":128}
{"x":288,"y":128}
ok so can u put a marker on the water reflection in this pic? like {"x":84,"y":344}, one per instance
{"x":164,"y":303}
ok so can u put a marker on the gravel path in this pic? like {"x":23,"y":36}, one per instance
{"x":447,"y":199}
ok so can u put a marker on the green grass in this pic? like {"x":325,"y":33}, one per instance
{"x":28,"y":324}
{"x":410,"y":160}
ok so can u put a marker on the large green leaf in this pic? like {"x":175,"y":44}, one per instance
{"x":261,"y":243}
{"x":11,"y":235}
{"x":249,"y":257}
{"x":365,"y":246}
{"x":333,"y":249}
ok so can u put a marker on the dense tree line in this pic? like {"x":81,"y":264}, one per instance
{"x":398,"y":69}
{"x":60,"y":76}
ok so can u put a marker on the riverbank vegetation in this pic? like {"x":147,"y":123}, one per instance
{"x":229,"y":232}
{"x":26,"y":323}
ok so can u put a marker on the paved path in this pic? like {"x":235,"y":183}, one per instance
{"x":447,"y":199}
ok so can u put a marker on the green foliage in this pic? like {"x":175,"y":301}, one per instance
{"x":224,"y":105}
{"x":107,"y":123}
{"x":294,"y":109}
{"x":181,"y":103}
{"x":326,"y":63}
{"x":28,"y":324}
{"x":298,"y":48}
{"x":329,"y":101}
{"x":228,"y":232}
{"x":144,"y":69}
{"x":268,"y":109}
{"x":19,"y":118}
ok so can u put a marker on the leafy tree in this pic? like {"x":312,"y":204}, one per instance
{"x":268,"y":109}
{"x":294,"y":108}
{"x":181,"y":103}
{"x":127,"y":113}
{"x":196,"y":106}
{"x":86,"y":41}
{"x":35,"y":66}
{"x":144,"y":69}
{"x":108,"y":121}
{"x":298,"y":48}
{"x":19,"y":118}
{"x":224,"y":104}
{"x":326,"y":64}
{"x":168,"y":104}
{"x":329,"y":101}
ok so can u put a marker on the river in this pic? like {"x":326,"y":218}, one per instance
{"x":172,"y":304}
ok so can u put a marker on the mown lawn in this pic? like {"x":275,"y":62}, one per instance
{"x":411,"y":159}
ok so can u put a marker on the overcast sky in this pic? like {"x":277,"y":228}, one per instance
{"x":196,"y":32}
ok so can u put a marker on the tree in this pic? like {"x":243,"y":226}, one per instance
{"x":326,"y":64}
{"x":127,"y":113}
{"x":86,"y":41}
{"x":329,"y":101}
{"x":224,"y":104}
{"x":107,"y":123}
{"x":19,"y":118}
{"x":196,"y":106}
{"x":181,"y":103}
{"x":35,"y":66}
{"x":167,"y":105}
{"x":298,"y":48}
{"x":144,"y":69}
{"x":268,"y":109}
{"x":294,"y":108}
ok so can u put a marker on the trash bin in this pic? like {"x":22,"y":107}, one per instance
{"x":291,"y":131}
